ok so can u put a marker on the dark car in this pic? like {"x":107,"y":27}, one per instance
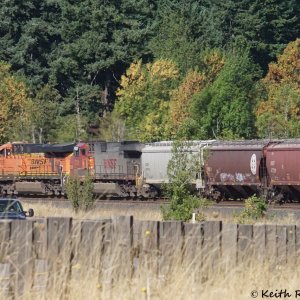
{"x":236,"y":169}
{"x":12,"y":209}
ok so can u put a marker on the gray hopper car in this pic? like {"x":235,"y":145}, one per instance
{"x":156,"y":156}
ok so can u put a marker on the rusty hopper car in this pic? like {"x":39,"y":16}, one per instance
{"x":236,"y":169}
{"x":117,"y":167}
{"x":40,"y":169}
{"x":283,"y":164}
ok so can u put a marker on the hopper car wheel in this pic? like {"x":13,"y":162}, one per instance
{"x":276,"y":198}
{"x":216,"y":196}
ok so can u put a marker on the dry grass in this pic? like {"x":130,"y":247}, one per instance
{"x":183,"y":284}
{"x":191,"y":281}
{"x":140,"y":213}
{"x":101,"y":275}
{"x":272,"y":219}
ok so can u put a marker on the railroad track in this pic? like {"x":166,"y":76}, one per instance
{"x":161,"y":201}
{"x":104,"y":201}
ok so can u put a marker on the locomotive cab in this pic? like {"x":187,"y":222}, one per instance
{"x":40,"y":168}
{"x":6,"y":150}
{"x":78,"y":163}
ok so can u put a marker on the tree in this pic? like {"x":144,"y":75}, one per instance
{"x":29,"y":32}
{"x":15,"y":106}
{"x":185,"y":29}
{"x":180,"y":102}
{"x":179,"y":113}
{"x":266,"y":26}
{"x":174,"y":41}
{"x":225,"y":109}
{"x":182,"y":169}
{"x":71,"y":132}
{"x":44,"y":114}
{"x":278,"y":114}
{"x":80,"y":48}
{"x":100,"y":40}
{"x":144,"y":98}
{"x":80,"y":193}
{"x":112,"y":127}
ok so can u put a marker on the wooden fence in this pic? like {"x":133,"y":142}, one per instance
{"x":35,"y":253}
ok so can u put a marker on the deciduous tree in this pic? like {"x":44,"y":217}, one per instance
{"x":278,"y":115}
{"x":15,"y":107}
{"x":144,"y":97}
{"x":209,"y":67}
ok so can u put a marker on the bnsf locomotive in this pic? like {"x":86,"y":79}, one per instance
{"x":236,"y":169}
{"x":41,"y":169}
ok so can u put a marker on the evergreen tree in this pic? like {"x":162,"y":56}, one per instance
{"x":225,"y":109}
{"x":185,"y":28}
{"x":266,"y":26}
{"x":100,"y":40}
{"x":29,"y":31}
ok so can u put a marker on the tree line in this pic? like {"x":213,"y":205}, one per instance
{"x":149,"y":69}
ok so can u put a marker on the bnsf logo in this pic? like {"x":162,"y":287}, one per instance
{"x":41,"y":161}
{"x":110,"y":163}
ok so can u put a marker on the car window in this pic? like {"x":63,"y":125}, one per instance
{"x":11,"y":206}
{"x":2,"y":207}
{"x":19,"y":207}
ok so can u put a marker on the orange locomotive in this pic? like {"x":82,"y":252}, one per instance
{"x":41,"y":168}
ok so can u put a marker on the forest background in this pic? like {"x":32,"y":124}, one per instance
{"x":149,"y":69}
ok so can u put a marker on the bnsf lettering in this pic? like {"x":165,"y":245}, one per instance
{"x":33,"y":168}
{"x":41,"y":161}
{"x":110,"y":163}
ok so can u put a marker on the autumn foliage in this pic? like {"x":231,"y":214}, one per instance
{"x":144,"y":96}
{"x":180,"y":102}
{"x":15,"y":106}
{"x":278,"y":115}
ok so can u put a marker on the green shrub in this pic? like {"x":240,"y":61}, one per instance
{"x":255,"y":208}
{"x":182,"y":169}
{"x":80,"y":193}
{"x":73,"y":191}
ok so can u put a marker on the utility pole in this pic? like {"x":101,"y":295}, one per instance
{"x":41,"y":135}
{"x":32,"y":134}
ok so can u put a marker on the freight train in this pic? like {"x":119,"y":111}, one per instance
{"x":240,"y":169}
{"x":226,"y":169}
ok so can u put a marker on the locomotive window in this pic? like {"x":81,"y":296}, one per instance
{"x":83,"y":152}
{"x":103,"y":147}
{"x":18,"y":149}
{"x":91,"y":147}
{"x":2,"y":152}
{"x":132,"y":154}
{"x":76,"y":153}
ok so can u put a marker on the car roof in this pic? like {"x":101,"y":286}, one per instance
{"x":9,"y":200}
